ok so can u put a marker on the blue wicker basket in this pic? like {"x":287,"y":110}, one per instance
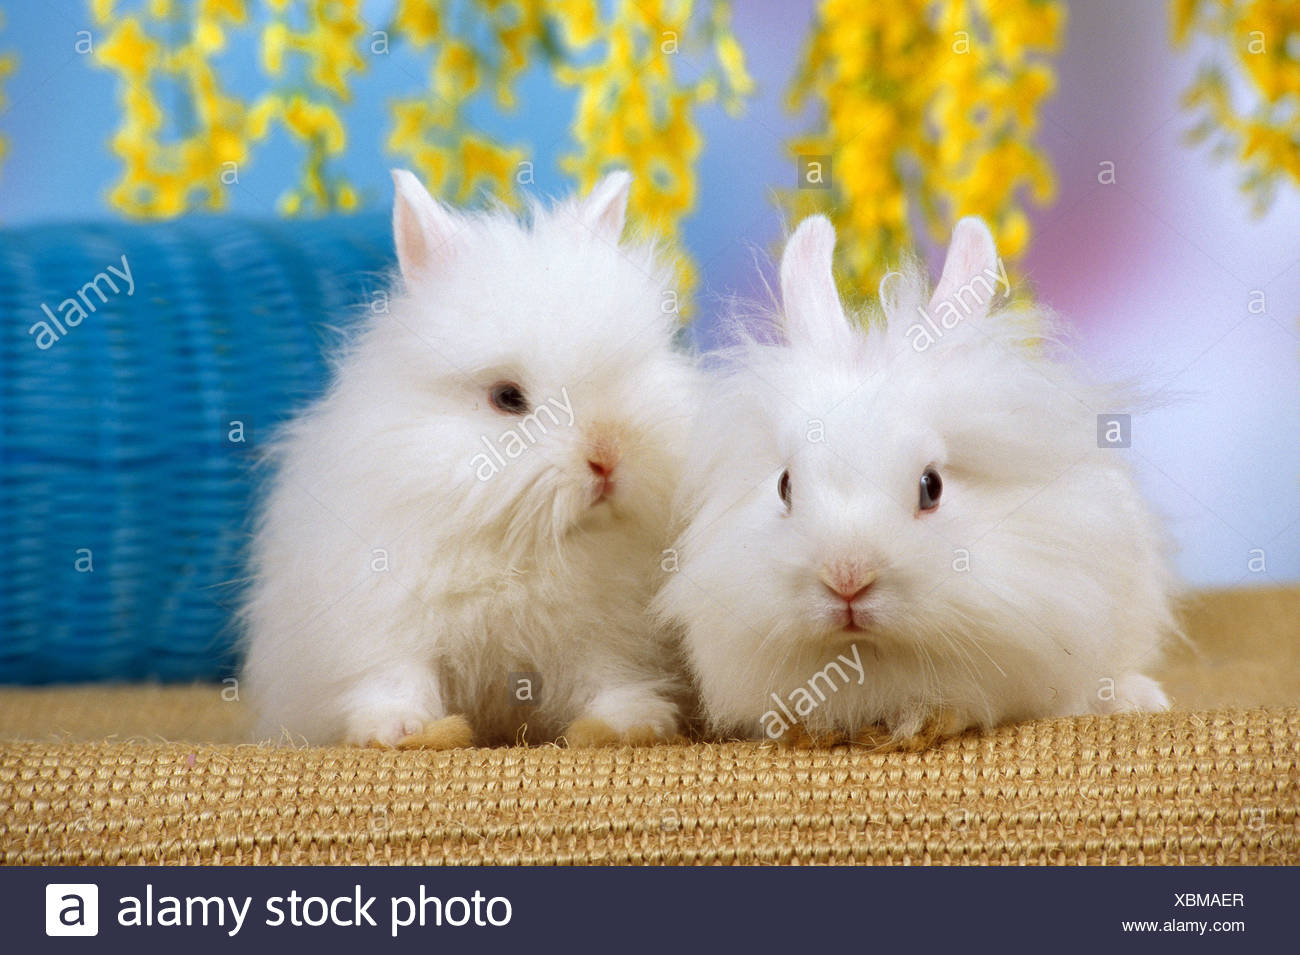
{"x":125,"y":488}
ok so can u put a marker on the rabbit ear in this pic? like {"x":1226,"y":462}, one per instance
{"x":813,"y":315}
{"x":605,"y":208}
{"x":970,"y":270}
{"x":422,"y":228}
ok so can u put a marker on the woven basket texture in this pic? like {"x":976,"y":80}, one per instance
{"x":115,"y":438}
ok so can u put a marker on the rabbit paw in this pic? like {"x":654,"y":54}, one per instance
{"x":1135,"y":693}
{"x":450,"y":732}
{"x":401,"y":708}
{"x":921,"y":734}
{"x":625,"y":717}
{"x":589,"y":731}
{"x":410,"y":732}
{"x":913,"y":736}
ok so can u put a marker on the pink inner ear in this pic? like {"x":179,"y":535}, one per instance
{"x":423,"y":230}
{"x":605,"y":208}
{"x":813,"y":315}
{"x":412,"y":250}
{"x":970,"y":254}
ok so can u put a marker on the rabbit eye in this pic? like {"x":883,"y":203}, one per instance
{"x":931,"y":488}
{"x":508,"y":397}
{"x":783,"y":487}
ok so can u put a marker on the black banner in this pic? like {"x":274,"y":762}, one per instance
{"x":648,"y":910}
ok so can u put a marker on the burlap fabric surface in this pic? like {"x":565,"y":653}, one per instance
{"x":158,"y":775}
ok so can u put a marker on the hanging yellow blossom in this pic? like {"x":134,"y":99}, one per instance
{"x":634,"y":111}
{"x":930,"y":113}
{"x":173,"y":163}
{"x":313,"y":59}
{"x":420,"y":21}
{"x":484,"y":162}
{"x":494,"y":42}
{"x":1260,"y":41}
{"x":8,"y":64}
{"x":633,"y":108}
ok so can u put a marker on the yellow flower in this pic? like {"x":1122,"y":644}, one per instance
{"x":434,"y":166}
{"x":235,"y":11}
{"x":732,"y":59}
{"x":410,"y":118}
{"x":928,"y":104}
{"x":315,"y":121}
{"x":1257,"y":40}
{"x":420,"y":21}
{"x":456,"y":76}
{"x":579,"y":20}
{"x":1013,"y":234}
{"x":129,"y":49}
{"x":209,"y":38}
{"x":633,"y":109}
{"x":7,"y":65}
{"x":483,"y":161}
{"x":261,"y":115}
{"x":332,"y":45}
{"x":275,"y":40}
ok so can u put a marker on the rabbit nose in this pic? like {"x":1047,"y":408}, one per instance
{"x":848,"y":580}
{"x":603,"y":451}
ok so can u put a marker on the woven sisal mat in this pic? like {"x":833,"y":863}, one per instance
{"x":1217,"y":781}
{"x":1218,"y":788}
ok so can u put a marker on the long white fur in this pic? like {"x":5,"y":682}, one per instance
{"x":1064,"y":597}
{"x":390,"y":585}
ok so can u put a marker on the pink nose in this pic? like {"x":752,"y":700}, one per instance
{"x":848,"y":580}
{"x":602,"y":463}
{"x":604,"y":450}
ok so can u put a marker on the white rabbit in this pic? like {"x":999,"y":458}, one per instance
{"x":463,"y":535}
{"x":901,"y":527}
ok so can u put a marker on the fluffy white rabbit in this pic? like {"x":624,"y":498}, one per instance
{"x":902,"y":526}
{"x":463,"y":535}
